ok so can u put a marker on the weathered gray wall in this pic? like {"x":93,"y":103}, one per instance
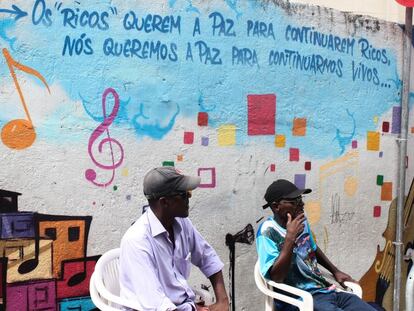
{"x":240,"y":93}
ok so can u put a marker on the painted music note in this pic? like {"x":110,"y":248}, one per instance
{"x":20,"y":133}
{"x":90,"y":174}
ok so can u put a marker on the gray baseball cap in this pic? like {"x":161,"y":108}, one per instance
{"x":166,"y":180}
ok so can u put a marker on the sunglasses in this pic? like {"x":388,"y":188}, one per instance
{"x":295,"y":201}
{"x":183,"y":194}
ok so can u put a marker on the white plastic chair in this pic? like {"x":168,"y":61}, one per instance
{"x":409,"y":291}
{"x":104,"y":285}
{"x":306,"y":301}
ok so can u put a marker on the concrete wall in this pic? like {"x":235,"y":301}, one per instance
{"x":383,"y":9}
{"x":240,"y":93}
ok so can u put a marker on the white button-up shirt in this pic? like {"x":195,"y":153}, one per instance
{"x":154,"y":273}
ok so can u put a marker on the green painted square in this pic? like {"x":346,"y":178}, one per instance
{"x":168,"y":163}
{"x":380,"y":180}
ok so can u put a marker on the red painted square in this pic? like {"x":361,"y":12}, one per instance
{"x":71,"y":269}
{"x":202,"y":119}
{"x":261,"y":114}
{"x":385,"y":126}
{"x":377,"y":211}
{"x":308,"y":166}
{"x":354,"y":144}
{"x":272,"y":167}
{"x":294,"y":154}
{"x":188,"y":138}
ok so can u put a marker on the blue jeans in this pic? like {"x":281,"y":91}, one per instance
{"x":333,"y":301}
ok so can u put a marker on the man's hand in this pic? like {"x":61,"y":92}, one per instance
{"x":295,"y":227}
{"x":342,"y":277}
{"x":201,"y":308}
{"x":219,"y":306}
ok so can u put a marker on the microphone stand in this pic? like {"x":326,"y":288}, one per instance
{"x":245,"y":236}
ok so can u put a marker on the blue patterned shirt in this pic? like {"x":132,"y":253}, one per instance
{"x":303,"y":272}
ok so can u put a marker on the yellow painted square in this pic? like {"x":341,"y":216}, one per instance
{"x":280,"y":141}
{"x":313,"y":211}
{"x":375,"y":119}
{"x":373,"y":141}
{"x":227,"y":135}
{"x":124,"y":172}
{"x":299,"y":127}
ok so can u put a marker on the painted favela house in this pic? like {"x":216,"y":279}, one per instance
{"x":43,"y":259}
{"x":93,"y":94}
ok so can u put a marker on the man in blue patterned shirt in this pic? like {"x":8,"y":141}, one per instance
{"x":288,"y":253}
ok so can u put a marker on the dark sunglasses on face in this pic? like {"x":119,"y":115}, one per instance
{"x":295,"y":201}
{"x":183,"y":194}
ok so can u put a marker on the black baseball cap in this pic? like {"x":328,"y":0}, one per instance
{"x":282,"y":189}
{"x":166,"y":180}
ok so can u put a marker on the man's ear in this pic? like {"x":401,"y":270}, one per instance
{"x":274,"y":207}
{"x":163,"y":201}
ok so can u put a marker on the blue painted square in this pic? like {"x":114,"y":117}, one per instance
{"x":78,"y":303}
{"x":300,"y":180}
{"x":204,"y":141}
{"x":17,"y":225}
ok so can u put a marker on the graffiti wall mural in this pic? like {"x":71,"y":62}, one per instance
{"x":43,"y":259}
{"x":95,"y":93}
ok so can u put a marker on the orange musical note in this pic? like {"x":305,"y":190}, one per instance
{"x":20,"y":133}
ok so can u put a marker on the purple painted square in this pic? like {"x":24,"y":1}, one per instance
{"x":354,"y":144}
{"x":380,"y":154}
{"x":17,"y":225}
{"x":300,"y":180}
{"x":32,"y":296}
{"x":204,"y":141}
{"x":208,"y":177}
{"x":396,"y":120}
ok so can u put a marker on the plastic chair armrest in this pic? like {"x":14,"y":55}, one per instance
{"x":307,"y":300}
{"x":355,"y":288}
{"x":100,"y":287}
{"x":96,"y":298}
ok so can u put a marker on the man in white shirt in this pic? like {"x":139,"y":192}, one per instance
{"x":158,"y":249}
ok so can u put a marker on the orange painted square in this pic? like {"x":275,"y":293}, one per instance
{"x":179,"y":158}
{"x":373,"y":141}
{"x":386,"y":191}
{"x":412,"y":130}
{"x":299,"y":127}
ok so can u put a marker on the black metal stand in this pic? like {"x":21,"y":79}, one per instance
{"x":245,"y":236}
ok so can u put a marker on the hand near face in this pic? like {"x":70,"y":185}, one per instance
{"x":295,"y":227}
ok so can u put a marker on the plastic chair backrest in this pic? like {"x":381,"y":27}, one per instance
{"x":105,"y":282}
{"x":110,"y":274}
{"x":409,"y":291}
{"x":262,"y":286}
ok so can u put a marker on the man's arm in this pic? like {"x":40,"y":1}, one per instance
{"x":280,"y":267}
{"x":206,"y":259}
{"x":340,"y":276}
{"x":222,"y":303}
